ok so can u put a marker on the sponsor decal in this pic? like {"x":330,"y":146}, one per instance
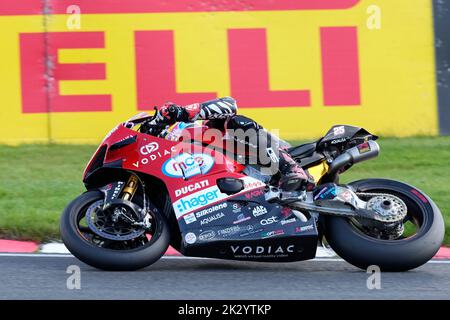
{"x":262,"y":250}
{"x":152,"y":154}
{"x":229,"y":231}
{"x":250,"y":230}
{"x":237,"y":208}
{"x":338,"y":130}
{"x":117,"y":189}
{"x":149,"y":148}
{"x":272,"y":233}
{"x":251,"y":183}
{"x":254,"y":194}
{"x":191,"y":188}
{"x":304,"y":228}
{"x":206,"y":235}
{"x":268,"y":221}
{"x":363,"y":148}
{"x":190,"y":238}
{"x":241,"y":218}
{"x":325,"y":193}
{"x":215,"y":217}
{"x":189,"y":218}
{"x":336,"y":141}
{"x":259,"y":211}
{"x":292,"y":220}
{"x":187,"y":165}
{"x":204,"y":212}
{"x":197,"y":200}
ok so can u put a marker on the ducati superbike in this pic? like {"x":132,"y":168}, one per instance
{"x":143,"y":194}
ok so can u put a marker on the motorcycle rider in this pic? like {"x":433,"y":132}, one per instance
{"x":222,"y":113}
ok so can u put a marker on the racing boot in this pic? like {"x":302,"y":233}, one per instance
{"x":293,"y":177}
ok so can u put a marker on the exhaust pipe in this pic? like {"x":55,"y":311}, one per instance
{"x":361,"y":152}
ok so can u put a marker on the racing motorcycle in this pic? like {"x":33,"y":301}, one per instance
{"x":144,"y":194}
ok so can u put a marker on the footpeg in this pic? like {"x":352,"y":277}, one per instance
{"x":274,"y":194}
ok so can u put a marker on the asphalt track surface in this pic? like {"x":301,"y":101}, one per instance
{"x":39,"y":276}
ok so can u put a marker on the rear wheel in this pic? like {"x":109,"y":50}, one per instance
{"x":114,"y":245}
{"x":418,"y":242}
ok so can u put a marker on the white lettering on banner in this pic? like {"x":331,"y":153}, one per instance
{"x":259,"y":211}
{"x":153,"y":155}
{"x":304,"y":228}
{"x":268,"y":221}
{"x":204,"y":212}
{"x":191,"y":187}
{"x":206,"y":235}
{"x":262,"y":250}
{"x":335,"y":141}
{"x":292,"y":220}
{"x":229,"y":231}
{"x":215,"y":217}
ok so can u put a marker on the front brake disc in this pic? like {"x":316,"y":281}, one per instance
{"x":101,"y":222}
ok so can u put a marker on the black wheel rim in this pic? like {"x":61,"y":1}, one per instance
{"x":415,"y":223}
{"x":148,"y":238}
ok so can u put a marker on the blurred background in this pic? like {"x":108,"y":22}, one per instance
{"x":71,"y":70}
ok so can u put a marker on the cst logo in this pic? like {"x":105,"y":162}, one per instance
{"x":268,"y":221}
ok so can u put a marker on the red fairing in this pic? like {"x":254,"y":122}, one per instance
{"x":166,"y":160}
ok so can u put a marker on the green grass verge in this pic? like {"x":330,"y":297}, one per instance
{"x":37,"y":181}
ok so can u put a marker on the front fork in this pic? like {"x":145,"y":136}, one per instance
{"x":130,"y":187}
{"x":120,"y":189}
{"x":124,"y":191}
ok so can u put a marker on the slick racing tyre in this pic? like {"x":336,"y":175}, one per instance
{"x":128,"y":253}
{"x":423,"y":231}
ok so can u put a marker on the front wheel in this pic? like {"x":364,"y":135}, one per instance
{"x":422,"y":237}
{"x":120,"y":247}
